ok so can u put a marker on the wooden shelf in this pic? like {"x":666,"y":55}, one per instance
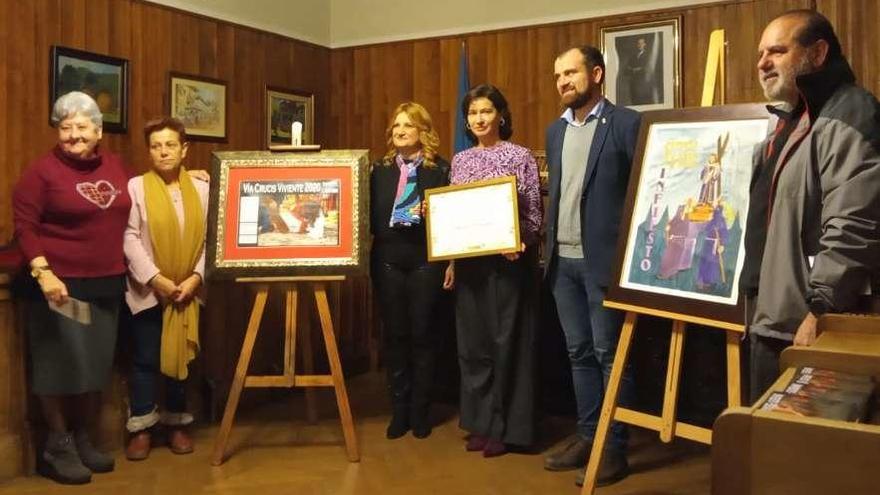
{"x":767,"y":452}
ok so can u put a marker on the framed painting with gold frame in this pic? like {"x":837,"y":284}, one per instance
{"x":283,"y":108}
{"x":288,"y":214}
{"x":200,"y":103}
{"x":472,"y":219}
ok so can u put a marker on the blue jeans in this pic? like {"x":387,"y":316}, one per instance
{"x":591,"y":334}
{"x":146,"y":345}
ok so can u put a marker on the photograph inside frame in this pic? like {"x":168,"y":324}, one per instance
{"x":687,"y":230}
{"x":289,"y":213}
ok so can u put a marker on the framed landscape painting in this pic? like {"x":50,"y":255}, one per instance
{"x":283,"y":108}
{"x":102,"y":77}
{"x":200,"y":103}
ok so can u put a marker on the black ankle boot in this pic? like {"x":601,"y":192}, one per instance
{"x":399,"y":423}
{"x":420,"y":422}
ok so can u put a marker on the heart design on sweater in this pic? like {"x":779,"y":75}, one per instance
{"x":100,"y":193}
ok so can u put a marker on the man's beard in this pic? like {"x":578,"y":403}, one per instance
{"x":786,"y":89}
{"x":579,"y":100}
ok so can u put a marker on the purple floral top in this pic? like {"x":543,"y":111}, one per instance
{"x":505,"y":158}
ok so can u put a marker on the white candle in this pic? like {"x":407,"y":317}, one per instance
{"x":296,"y":130}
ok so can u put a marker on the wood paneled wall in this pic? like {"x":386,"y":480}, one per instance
{"x":368,"y":81}
{"x":155,"y":39}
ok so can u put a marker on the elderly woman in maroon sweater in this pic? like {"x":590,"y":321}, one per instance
{"x":71,"y":207}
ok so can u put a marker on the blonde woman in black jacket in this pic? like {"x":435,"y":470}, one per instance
{"x":407,"y":285}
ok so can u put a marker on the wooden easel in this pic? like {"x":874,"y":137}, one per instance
{"x":290,"y":378}
{"x":666,"y":424}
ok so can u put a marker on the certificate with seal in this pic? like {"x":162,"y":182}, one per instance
{"x":472,"y":219}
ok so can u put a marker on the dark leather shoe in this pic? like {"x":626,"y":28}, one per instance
{"x":138,"y":447}
{"x":180,"y":442}
{"x":398,"y":426}
{"x":573,"y":456}
{"x":475,"y":443}
{"x":613,"y":469}
{"x":420,"y":421}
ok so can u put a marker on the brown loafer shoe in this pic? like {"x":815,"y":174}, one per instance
{"x":179,"y":441}
{"x":138,"y":447}
{"x":573,"y":456}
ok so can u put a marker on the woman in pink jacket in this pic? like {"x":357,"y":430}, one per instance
{"x":165,"y":248}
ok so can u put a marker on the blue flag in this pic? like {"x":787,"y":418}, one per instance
{"x":461,"y":139}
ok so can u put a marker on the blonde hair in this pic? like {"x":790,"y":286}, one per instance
{"x":427,"y":135}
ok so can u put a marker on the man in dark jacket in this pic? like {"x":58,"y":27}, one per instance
{"x":812,"y":238}
{"x":589,"y":153}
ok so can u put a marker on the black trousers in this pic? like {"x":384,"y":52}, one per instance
{"x":495,"y":314}
{"x":408,"y":292}
{"x":764,"y":355}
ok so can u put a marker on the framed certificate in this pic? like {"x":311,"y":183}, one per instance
{"x":472,"y":219}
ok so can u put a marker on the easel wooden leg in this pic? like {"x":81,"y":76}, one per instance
{"x":351,"y":446}
{"x":673,"y":373}
{"x":307,"y":354}
{"x":609,"y":405}
{"x":241,"y":369}
{"x":290,"y":333}
{"x":734,"y":390}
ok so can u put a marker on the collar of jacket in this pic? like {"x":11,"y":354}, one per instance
{"x":817,"y":87}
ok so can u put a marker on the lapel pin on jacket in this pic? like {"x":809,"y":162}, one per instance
{"x":604,"y":120}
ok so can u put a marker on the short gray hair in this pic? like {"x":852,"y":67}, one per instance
{"x":76,"y":102}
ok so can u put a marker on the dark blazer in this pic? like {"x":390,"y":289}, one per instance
{"x":605,"y":181}
{"x":383,"y":189}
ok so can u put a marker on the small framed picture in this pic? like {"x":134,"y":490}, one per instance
{"x":643,"y":64}
{"x":200,"y":103}
{"x":460,"y":225}
{"x":288,"y":213}
{"x":102,"y":77}
{"x":283,"y":108}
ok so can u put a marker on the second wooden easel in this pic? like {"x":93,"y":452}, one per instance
{"x":666,"y":424}
{"x":290,"y":378}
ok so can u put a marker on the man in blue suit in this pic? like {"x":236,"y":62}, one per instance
{"x":589,"y":152}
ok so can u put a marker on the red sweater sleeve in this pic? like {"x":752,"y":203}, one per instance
{"x":27,"y":206}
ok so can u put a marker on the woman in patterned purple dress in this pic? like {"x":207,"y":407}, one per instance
{"x":495,"y":297}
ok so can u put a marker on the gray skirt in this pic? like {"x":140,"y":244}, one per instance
{"x":68,"y":357}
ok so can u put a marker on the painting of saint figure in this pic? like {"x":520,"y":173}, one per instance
{"x":686,"y":231}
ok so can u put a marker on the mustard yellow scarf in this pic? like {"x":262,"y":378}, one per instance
{"x":176,"y":252}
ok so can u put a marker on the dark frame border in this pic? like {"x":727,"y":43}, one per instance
{"x":686,"y":309}
{"x":57,"y":51}
{"x":202,"y":79}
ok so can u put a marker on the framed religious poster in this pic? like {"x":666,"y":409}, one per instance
{"x":288,"y":214}
{"x":643,"y":64}
{"x":473,"y":219}
{"x":681,"y":243}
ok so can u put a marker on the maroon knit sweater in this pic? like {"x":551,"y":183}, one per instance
{"x":74,"y":213}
